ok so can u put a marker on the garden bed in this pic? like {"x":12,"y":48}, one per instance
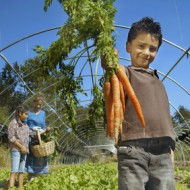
{"x":88,"y":176}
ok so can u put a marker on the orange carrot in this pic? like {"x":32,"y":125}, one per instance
{"x":119,"y":130}
{"x":109,"y":107}
{"x":122,"y":96}
{"x":116,"y":103}
{"x":121,"y":118}
{"x":131,"y":94}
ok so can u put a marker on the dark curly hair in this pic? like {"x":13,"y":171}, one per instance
{"x":146,"y":25}
{"x":39,"y":96}
{"x":20,"y":109}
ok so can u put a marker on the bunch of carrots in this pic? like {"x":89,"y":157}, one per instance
{"x":115,"y":86}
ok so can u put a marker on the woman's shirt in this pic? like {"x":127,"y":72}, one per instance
{"x":18,"y":133}
{"x":36,"y":120}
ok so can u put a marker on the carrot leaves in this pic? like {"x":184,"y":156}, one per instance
{"x":88,"y":21}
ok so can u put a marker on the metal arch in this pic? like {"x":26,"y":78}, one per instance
{"x":119,"y":26}
{"x":58,"y":27}
{"x":184,"y":89}
{"x":186,"y":52}
{"x":26,"y":37}
{"x":17,"y":80}
{"x":3,"y":57}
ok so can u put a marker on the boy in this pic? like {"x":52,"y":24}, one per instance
{"x":144,"y":160}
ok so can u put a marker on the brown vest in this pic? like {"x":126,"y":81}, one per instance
{"x":155,"y":107}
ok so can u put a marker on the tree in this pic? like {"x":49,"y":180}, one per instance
{"x":183,"y":114}
{"x":4,"y":112}
{"x":10,"y":95}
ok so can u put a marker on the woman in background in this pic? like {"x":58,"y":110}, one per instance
{"x":36,"y":121}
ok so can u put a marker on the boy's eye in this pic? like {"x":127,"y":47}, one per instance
{"x":141,"y":46}
{"x":153,"y":49}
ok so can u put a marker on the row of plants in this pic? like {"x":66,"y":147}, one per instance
{"x":88,"y":176}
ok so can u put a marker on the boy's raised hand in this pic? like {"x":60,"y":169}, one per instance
{"x":104,"y":61}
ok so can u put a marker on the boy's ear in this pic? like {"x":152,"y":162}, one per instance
{"x":128,"y":47}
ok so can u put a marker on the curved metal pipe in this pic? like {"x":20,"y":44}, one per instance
{"x":58,"y":27}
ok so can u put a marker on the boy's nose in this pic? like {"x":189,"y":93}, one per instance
{"x":147,"y":52}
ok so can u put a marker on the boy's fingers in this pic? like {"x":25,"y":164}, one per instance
{"x":104,"y":61}
{"x":116,"y":52}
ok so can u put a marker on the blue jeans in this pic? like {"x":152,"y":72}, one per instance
{"x":145,"y":165}
{"x":18,"y":161}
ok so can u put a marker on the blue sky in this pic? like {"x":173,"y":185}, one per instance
{"x":24,"y":17}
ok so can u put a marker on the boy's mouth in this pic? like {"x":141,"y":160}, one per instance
{"x":147,"y":58}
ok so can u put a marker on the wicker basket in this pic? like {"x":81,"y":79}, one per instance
{"x":43,"y":149}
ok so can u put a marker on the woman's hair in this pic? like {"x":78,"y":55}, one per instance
{"x":38,"y":96}
{"x":146,"y":25}
{"x":20,"y":110}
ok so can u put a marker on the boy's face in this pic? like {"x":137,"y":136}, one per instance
{"x":142,"y":50}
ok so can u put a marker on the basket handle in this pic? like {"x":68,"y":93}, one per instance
{"x":39,"y":137}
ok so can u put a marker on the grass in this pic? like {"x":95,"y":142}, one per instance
{"x":66,"y":173}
